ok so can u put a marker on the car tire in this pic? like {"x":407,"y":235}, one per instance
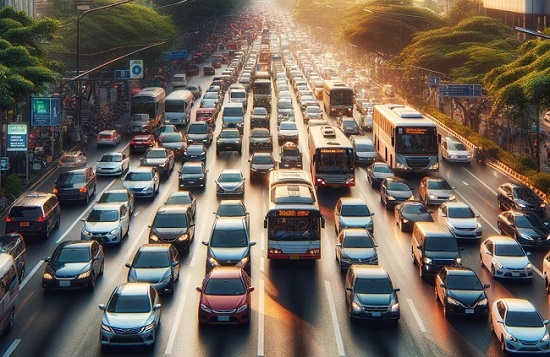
{"x":58,"y":222}
{"x":11,"y":321}
{"x":47,"y":232}
{"x":155,"y":191}
{"x":436,"y":296}
{"x":102,"y":268}
{"x":92,"y":284}
{"x":493,"y":272}
{"x":500,"y":205}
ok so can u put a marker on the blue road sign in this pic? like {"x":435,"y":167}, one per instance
{"x":175,"y":55}
{"x":434,"y":80}
{"x":4,"y":163}
{"x":460,"y":90}
{"x":46,"y":111}
{"x":121,"y":74}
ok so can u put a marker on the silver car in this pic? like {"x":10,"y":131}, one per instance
{"x":142,"y":182}
{"x":131,"y":316}
{"x":230,"y":182}
{"x":112,"y":164}
{"x":352,"y":212}
{"x":120,"y":195}
{"x":460,"y":219}
{"x":107,"y":223}
{"x":435,"y":191}
{"x":355,"y":246}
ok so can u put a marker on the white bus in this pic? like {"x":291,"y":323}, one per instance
{"x":405,"y":139}
{"x":177,"y":109}
{"x":150,"y":101}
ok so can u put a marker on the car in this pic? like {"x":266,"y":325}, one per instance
{"x":165,"y":129}
{"x":119,"y":195}
{"x":213,"y":104}
{"x":230,"y":182}
{"x":192,"y":70}
{"x":192,"y":174}
{"x":435,"y":190}
{"x":261,"y":164}
{"x":157,"y":264}
{"x":364,"y":150}
{"x":409,"y":212}
{"x":352,"y":212}
{"x":512,"y":196}
{"x":461,"y":293}
{"x":377,"y":172}
{"x":140,"y":143}
{"x":260,"y":139}
{"x":112,"y":164}
{"x":76,"y":185}
{"x":290,"y":155}
{"x":394,"y":190}
{"x":546,"y":271}
{"x":208,"y":116}
{"x":107,"y":223}
{"x":460,"y":219}
{"x":527,"y":228}
{"x":208,"y":71}
{"x":285,"y":110}
{"x":229,"y":140}
{"x":288,"y":131}
{"x":195,"y":89}
{"x":195,"y":152}
{"x":179,"y":80}
{"x":233,"y":208}
{"x":131,"y":316}
{"x":259,"y":118}
{"x":72,"y":159}
{"x":370,"y":295}
{"x":14,"y":245}
{"x":225,"y":297}
{"x":183,"y":198}
{"x":199,"y":133}
{"x":355,"y":246}
{"x":74,"y":265}
{"x":108,"y":137}
{"x":229,"y":244}
{"x":162,"y":159}
{"x":173,"y":224}
{"x":519,"y":327}
{"x":312,"y":111}
{"x":505,"y":258}
{"x":453,"y":150}
{"x":174,"y":142}
{"x":142,"y":181}
{"x":34,"y":214}
{"x":349,"y":126}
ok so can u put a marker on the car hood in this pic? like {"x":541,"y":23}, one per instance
{"x":229,"y":140}
{"x":535,"y":232}
{"x":169,"y":233}
{"x":69,"y":270}
{"x":315,"y":115}
{"x":441,"y":193}
{"x":197,"y":136}
{"x":527,"y":333}
{"x":229,"y":186}
{"x":356,"y":221}
{"x":513,"y":262}
{"x":359,"y":253}
{"x":191,"y":176}
{"x":99,"y":227}
{"x":289,"y":132}
{"x":260,"y":140}
{"x":465,"y":223}
{"x":529,"y":200}
{"x":176,"y":145}
{"x":108,"y":165}
{"x":400,"y":194}
{"x":155,"y":161}
{"x":382,"y":175}
{"x":375,"y":299}
{"x":262,"y":166}
{"x":425,"y":217}
{"x":127,"y":320}
{"x":149,"y":275}
{"x":137,"y":184}
{"x":466,"y":297}
{"x":366,"y":154}
{"x":233,"y":254}
{"x":225,"y":302}
{"x":435,"y":254}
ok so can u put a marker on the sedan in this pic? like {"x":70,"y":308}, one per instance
{"x":461,"y":292}
{"x":225,"y":297}
{"x":112,"y":164}
{"x":394,"y":190}
{"x":460,"y":219}
{"x":74,"y":265}
{"x":73,"y":159}
{"x":520,"y":198}
{"x":195,"y":89}
{"x":183,"y":198}
{"x":349,"y":126}
{"x":505,"y":258}
{"x":174,"y":142}
{"x":407,"y":213}
{"x":435,"y":190}
{"x":208,"y":71}
{"x":108,"y":137}
{"x":142,"y":182}
{"x":230,"y":182}
{"x":352,"y":212}
{"x":312,"y":112}
{"x":377,"y":172}
{"x":260,"y":139}
{"x":288,"y":131}
{"x":142,"y":142}
{"x":233,"y":208}
{"x":192,"y":174}
{"x":261,"y":164}
{"x":131,"y":316}
{"x":107,"y":223}
{"x":162,"y":159}
{"x":157,"y":264}
{"x":166,"y":129}
{"x":527,"y":228}
{"x":519,"y":327}
{"x":121,"y":195}
{"x":195,"y":152}
{"x":355,"y":246}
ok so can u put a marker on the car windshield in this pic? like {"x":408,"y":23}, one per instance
{"x":457,"y":146}
{"x":523,"y":319}
{"x":436,"y":244}
{"x":398,"y":186}
{"x":355,"y":210}
{"x":111,"y":158}
{"x":509,"y":250}
{"x":352,"y":241}
{"x":438,"y":185}
{"x":460,"y":212}
{"x":415,"y":209}
{"x":70,"y":159}
{"x":191,"y":169}
{"x":234,"y":238}
{"x":230,"y":134}
{"x":238,"y":95}
{"x":198,"y":129}
{"x":179,"y":199}
{"x":372,"y":286}
{"x":73,"y":255}
{"x":71,"y":178}
{"x":171,"y":138}
{"x":262,"y":159}
{"x":259,"y":111}
{"x":170,"y":220}
{"x":286,"y":125}
{"x":285,"y":105}
{"x":208,"y":103}
{"x":524,"y":193}
{"x":463,"y":282}
{"x":146,"y":259}
{"x":121,"y":303}
{"x":194,"y":149}
{"x":383,"y":169}
{"x":103,"y":215}
{"x":528,"y":221}
{"x":230,"y":210}
{"x":349,"y":123}
{"x":139,"y":176}
{"x":109,"y":197}
{"x":155,"y":154}
{"x":364,"y":147}
{"x":230,"y":177}
{"x":224,"y":287}
{"x":210,"y":95}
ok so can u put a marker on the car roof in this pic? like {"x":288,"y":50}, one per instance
{"x":75,"y":244}
{"x":142,"y":136}
{"x":107,"y":206}
{"x":456,"y":204}
{"x":156,"y":247}
{"x":352,"y":201}
{"x":396,"y":179}
{"x":360,"y":139}
{"x":169,"y":209}
{"x":229,"y":222}
{"x":434,"y":178}
{"x":228,"y":272}
{"x":133,"y":289}
{"x":267,"y":154}
{"x":75,"y":171}
{"x":503,"y":240}
{"x":231,"y":202}
{"x":370,"y":271}
{"x":106,"y":132}
{"x":518,"y":304}
{"x":72,"y":153}
{"x":116,"y":190}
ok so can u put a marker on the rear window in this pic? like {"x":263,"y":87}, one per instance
{"x":28,"y":213}
{"x":233,"y":112}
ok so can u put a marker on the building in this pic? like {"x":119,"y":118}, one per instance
{"x":529,"y":14}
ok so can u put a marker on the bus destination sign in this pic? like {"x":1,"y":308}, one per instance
{"x":292,"y":213}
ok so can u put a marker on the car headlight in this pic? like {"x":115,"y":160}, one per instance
{"x":183,"y":236}
{"x":525,"y":236}
{"x":432,"y":197}
{"x":545,"y":338}
{"x":106,"y":328}
{"x":356,"y":305}
{"x":84,"y":275}
{"x":405,"y":220}
{"x":497,"y":264}
{"x":452,"y":197}
{"x":521,"y":205}
{"x":243,"y":262}
{"x":508,"y":336}
{"x":394,"y":306}
{"x":213,"y":262}
{"x":458,"y":261}
{"x":452,"y":301}
{"x":528,"y":266}
{"x":400,"y":166}
{"x":148,"y":327}
{"x":86,"y":232}
{"x":390,"y":198}
{"x":242,"y":308}
{"x":113,"y":231}
{"x":427,"y":260}
{"x":166,"y":279}
{"x":47,"y":276}
{"x":411,"y":198}
{"x":154,"y":237}
{"x":205,"y":308}
{"x":482,"y":302}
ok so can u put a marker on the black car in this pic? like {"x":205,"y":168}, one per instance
{"x":173,"y":224}
{"x":157,"y":264}
{"x":34,"y":214}
{"x":192,"y":174}
{"x":261,"y":164}
{"x":229,"y":140}
{"x":377,"y":172}
{"x":195,"y":152}
{"x":394,"y":190}
{"x":520,"y":198}
{"x":259,"y":118}
{"x":526,"y":227}
{"x":75,"y":185}
{"x":407,"y":213}
{"x":74,"y":265}
{"x":260,"y":139}
{"x":461,"y":292}
{"x":199,"y":133}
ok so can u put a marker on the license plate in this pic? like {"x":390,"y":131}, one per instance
{"x":469,"y":311}
{"x":376,"y":314}
{"x":515,"y":274}
{"x":294,"y":257}
{"x":191,"y":182}
{"x":23,"y":224}
{"x":223,"y":318}
{"x":64,"y":284}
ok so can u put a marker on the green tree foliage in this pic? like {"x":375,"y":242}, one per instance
{"x":324,"y":15}
{"x":192,"y":13}
{"x":24,"y":68}
{"x":463,"y":10}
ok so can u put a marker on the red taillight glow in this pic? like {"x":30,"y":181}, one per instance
{"x":83,"y":189}
{"x":8,"y":219}
{"x":41,"y":219}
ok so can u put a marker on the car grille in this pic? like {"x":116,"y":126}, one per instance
{"x":444,"y":262}
{"x":126,"y":331}
{"x":223,"y":311}
{"x":466,"y":229}
{"x":369,"y":308}
{"x":421,"y":162}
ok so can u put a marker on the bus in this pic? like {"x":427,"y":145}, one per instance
{"x":405,"y":139}
{"x":332,"y":157}
{"x":338,"y":98}
{"x":177,"y":109}
{"x":150,"y":101}
{"x":293,"y":220}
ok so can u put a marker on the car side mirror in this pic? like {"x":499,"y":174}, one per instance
{"x":265,"y":223}
{"x":205,"y":243}
{"x":128,"y":265}
{"x":527,"y":253}
{"x":156,"y":307}
{"x":339,"y":245}
{"x":441,"y":285}
{"x":252,"y":243}
{"x":198,"y":289}
{"x":82,"y":219}
{"x":47,"y":259}
{"x":396,"y":289}
{"x":102,"y":307}
{"x":250,"y":289}
{"x":372,"y":214}
{"x":486,"y":286}
{"x":96,"y":258}
{"x":488,"y":253}
{"x":419,"y":246}
{"x":443,"y":214}
{"x":348,"y":288}
{"x":174,"y":264}
{"x":546,"y":322}
{"x":149,"y":226}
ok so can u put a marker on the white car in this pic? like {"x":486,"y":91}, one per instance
{"x":142,"y":181}
{"x":112,"y":164}
{"x":460,"y":219}
{"x":505,"y":258}
{"x":107,"y":223}
{"x":519,"y":327}
{"x":453,"y":150}
{"x":288,"y":131}
{"x":546,"y":271}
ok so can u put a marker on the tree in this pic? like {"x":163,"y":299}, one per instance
{"x":195,"y":12}
{"x":24,"y":67}
{"x":463,"y":10}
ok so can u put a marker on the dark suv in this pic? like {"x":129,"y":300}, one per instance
{"x":34,"y":214}
{"x":199,"y":133}
{"x":229,"y":140}
{"x":76,"y":185}
{"x":173,"y":224}
{"x":520,"y":198}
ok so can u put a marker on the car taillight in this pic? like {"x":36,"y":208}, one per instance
{"x":83,"y":189}
{"x":8,"y":219}
{"x":41,"y":219}
{"x":55,"y":190}
{"x":132,"y":142}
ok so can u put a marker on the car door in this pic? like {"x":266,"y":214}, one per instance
{"x":442,"y":212}
{"x":191,"y":221}
{"x":96,"y":258}
{"x":441,"y":278}
{"x":91,"y":180}
{"x":125,"y":163}
{"x":175,"y":258}
{"x":422,"y":189}
{"x":487,"y":255}
{"x":337,"y":210}
{"x":507,"y":224}
{"x":444,"y":152}
{"x":499,"y":314}
{"x":507,"y":197}
{"x":124,"y":220}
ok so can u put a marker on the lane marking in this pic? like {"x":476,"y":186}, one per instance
{"x":480,"y":215}
{"x":537,"y":270}
{"x":131,"y":251}
{"x":262,"y":263}
{"x":479,"y":180}
{"x":465,"y":183}
{"x":178,"y":319}
{"x":261,"y":319}
{"x":262,"y":241}
{"x":29,"y":276}
{"x":416,"y":316}
{"x":12,"y":347}
{"x":334,"y":317}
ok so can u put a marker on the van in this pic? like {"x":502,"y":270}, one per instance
{"x":9,"y":292}
{"x":14,"y":245}
{"x":453,"y":150}
{"x":237,"y":94}
{"x":433,"y":247}
{"x":179,"y":80}
{"x":141,"y":123}
{"x":233,"y":116}
{"x":34,"y":214}
{"x":177,"y":107}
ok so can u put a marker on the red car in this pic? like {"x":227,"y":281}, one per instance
{"x":208,"y":115}
{"x":192,"y":70}
{"x":225,"y":296}
{"x":208,"y":71}
{"x":142,"y":142}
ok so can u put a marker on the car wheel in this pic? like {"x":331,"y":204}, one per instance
{"x":436,"y":296}
{"x":500,"y":205}
{"x":493,"y":272}
{"x":11,"y":320}
{"x":102,"y":268}
{"x":86,"y":200}
{"x":47,"y":232}
{"x":92,"y":284}
{"x":95,"y":190}
{"x":155,"y":191}
{"x":58,"y":222}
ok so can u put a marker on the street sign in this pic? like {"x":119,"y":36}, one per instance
{"x":136,"y":69}
{"x":46,"y":111}
{"x":4,"y":163}
{"x":460,"y":90}
{"x":122,"y":74}
{"x":17,"y":137}
{"x":434,"y":80}
{"x":175,"y":55}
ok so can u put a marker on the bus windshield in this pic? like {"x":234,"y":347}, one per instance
{"x":294,"y":228}
{"x":341,"y":97}
{"x":335,"y":162}
{"x":416,"y":144}
{"x":175,"y":107}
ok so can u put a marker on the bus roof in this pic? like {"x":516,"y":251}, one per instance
{"x":289,"y":176}
{"x":293,"y":194}
{"x":151,"y":92}
{"x":327,"y":137}
{"x":181,"y":94}
{"x":336,"y":84}
{"x":402,"y":115}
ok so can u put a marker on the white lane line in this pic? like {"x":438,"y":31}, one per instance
{"x":83,"y":213}
{"x":334,"y":317}
{"x":480,"y":215}
{"x":479,"y":180}
{"x":465,"y":183}
{"x":416,"y":316}
{"x":178,"y":319}
{"x":12,"y":347}
{"x":136,"y":213}
{"x":135,"y":242}
{"x":29,"y":276}
{"x":537,"y":270}
{"x":261,"y":321}
{"x":262,"y":264}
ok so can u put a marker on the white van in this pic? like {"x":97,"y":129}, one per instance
{"x":177,"y":107}
{"x":237,"y":94}
{"x":179,"y":80}
{"x":453,"y":150}
{"x":9,"y":292}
